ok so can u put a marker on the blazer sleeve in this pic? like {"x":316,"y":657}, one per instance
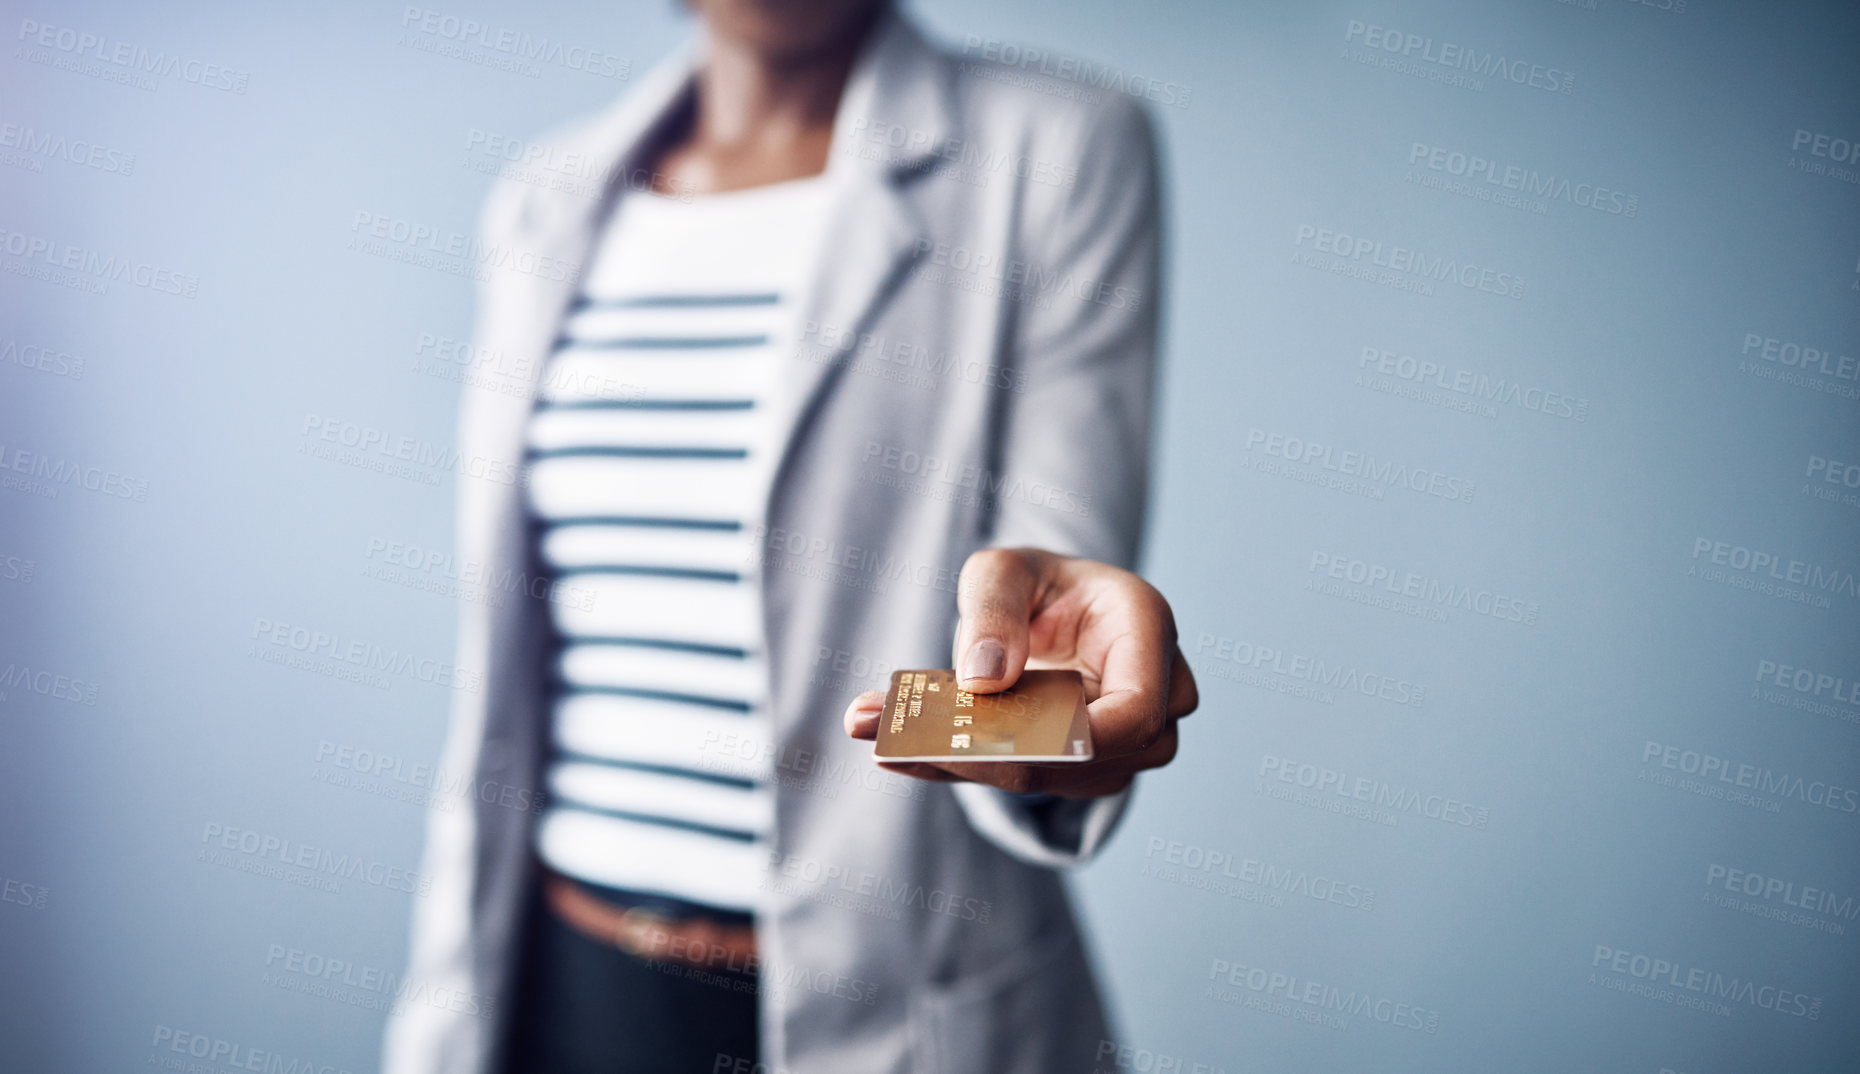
{"x":1075,"y":444}
{"x":423,"y":1038}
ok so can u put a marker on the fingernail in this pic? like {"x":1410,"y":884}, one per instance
{"x":986,"y":659}
{"x":869,"y":704}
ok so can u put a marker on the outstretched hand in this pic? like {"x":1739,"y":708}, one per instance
{"x":1024,"y":608}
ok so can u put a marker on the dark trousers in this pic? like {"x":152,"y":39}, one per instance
{"x":585,"y":1007}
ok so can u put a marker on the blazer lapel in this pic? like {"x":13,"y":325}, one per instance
{"x":521,"y":315}
{"x":873,"y":232}
{"x":563,"y":226}
{"x":871,"y":236}
{"x":869,"y":245}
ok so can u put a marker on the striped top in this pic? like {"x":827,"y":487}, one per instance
{"x":650,"y":457}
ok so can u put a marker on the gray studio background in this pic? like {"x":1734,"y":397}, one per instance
{"x":1638,"y":467}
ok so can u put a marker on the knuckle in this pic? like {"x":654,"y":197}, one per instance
{"x":1170,"y":744}
{"x":1155,"y":724}
{"x":1165,"y":620}
{"x":991,"y":583}
{"x":1004,"y":557}
{"x":990,"y":561}
{"x":1186,"y":699}
{"x":1146,"y":595}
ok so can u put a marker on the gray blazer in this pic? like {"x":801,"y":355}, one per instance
{"x":975,"y":370}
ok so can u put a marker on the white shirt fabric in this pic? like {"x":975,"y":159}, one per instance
{"x":650,"y":462}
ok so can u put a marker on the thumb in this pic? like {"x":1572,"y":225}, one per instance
{"x":995,"y":596}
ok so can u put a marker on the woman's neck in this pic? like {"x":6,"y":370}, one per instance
{"x":761,"y":118}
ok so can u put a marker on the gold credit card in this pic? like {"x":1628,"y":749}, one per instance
{"x":927,"y":718}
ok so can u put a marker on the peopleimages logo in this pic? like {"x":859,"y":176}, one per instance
{"x":1127,"y":1057}
{"x":1321,"y":674}
{"x":1801,"y":680}
{"x":60,"y":262}
{"x":1368,"y":469}
{"x":370,"y":987}
{"x":264,"y":854}
{"x":815,"y":876}
{"x":1405,"y":261}
{"x":1751,"y":777}
{"x":1328,"y":998}
{"x":1432,"y":593}
{"x":1782,"y":893}
{"x":42,"y":359}
{"x":1200,"y":867}
{"x":133,"y":62}
{"x":364,"y":658}
{"x":1518,"y":179}
{"x":936,"y":477}
{"x":412,"y":458}
{"x":399,"y":239}
{"x":1831,"y":479}
{"x":43,"y":144}
{"x":436,"y":571}
{"x":1768,"y":567}
{"x":965,"y":160}
{"x":46,"y":474}
{"x":1375,"y":792}
{"x":902,"y":360}
{"x":1818,"y":693}
{"x":1451,"y":55}
{"x":1071,"y":69}
{"x":52,"y":684}
{"x":1789,"y":354}
{"x":1839,"y":150}
{"x":937,"y":260}
{"x":1477,"y":392}
{"x":1787,"y":361}
{"x":219,"y":1051}
{"x":434,"y":785}
{"x":515,"y":44}
{"x":1707,"y":985}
